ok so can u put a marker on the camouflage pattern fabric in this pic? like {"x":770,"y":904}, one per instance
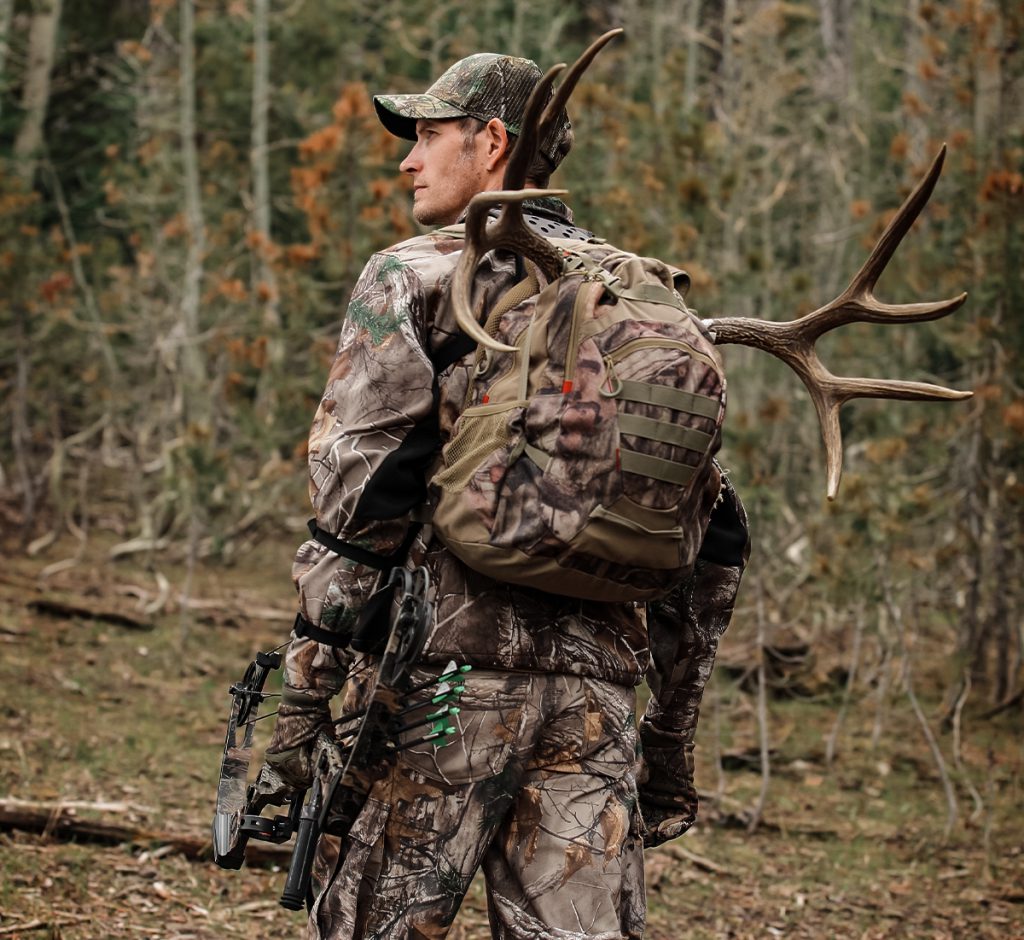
{"x":684,"y":630}
{"x":538,"y":789}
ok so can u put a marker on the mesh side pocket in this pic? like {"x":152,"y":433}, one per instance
{"x":478,"y":437}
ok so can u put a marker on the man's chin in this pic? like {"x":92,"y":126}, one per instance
{"x":430,"y":215}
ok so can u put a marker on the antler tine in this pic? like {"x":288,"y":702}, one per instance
{"x":510,"y":230}
{"x":857,"y":303}
{"x":793,"y":342}
{"x":882,"y":253}
{"x":529,"y":140}
{"x":829,"y":393}
{"x":565,"y":90}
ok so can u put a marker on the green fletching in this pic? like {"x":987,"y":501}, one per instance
{"x":445,"y":696}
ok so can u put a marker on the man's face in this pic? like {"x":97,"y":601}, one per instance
{"x":447,"y":168}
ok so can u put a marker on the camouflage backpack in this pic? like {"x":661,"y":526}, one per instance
{"x":582,"y":463}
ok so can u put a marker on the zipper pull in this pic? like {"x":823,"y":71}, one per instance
{"x":614,"y":382}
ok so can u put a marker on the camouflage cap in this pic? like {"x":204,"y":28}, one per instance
{"x":484,"y":86}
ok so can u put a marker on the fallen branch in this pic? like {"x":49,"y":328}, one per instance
{"x":677,"y":851}
{"x":1004,"y":705}
{"x":55,"y":820}
{"x":102,"y":806}
{"x":63,"y":920}
{"x":58,"y":608}
{"x":201,"y":605}
{"x":227,"y":608}
{"x":133,"y":546}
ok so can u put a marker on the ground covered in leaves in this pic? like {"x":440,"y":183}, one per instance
{"x":113,"y":707}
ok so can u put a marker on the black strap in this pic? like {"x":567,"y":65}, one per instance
{"x":399,"y":484}
{"x":363,"y":556}
{"x":370,"y":632}
{"x":305,"y":628}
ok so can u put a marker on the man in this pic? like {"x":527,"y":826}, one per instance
{"x":540,"y":787}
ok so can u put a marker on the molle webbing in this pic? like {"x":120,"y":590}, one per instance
{"x":668,"y":471}
{"x":678,"y":400}
{"x":665,"y":432}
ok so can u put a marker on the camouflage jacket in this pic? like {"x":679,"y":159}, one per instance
{"x":371,"y":441}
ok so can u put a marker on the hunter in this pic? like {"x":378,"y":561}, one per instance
{"x":544,"y":787}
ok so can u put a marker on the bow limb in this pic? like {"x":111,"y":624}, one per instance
{"x":237,"y":815}
{"x":372,"y":750}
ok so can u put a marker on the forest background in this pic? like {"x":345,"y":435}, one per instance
{"x":188,"y":191}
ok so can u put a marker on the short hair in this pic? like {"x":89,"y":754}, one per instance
{"x":540,"y":170}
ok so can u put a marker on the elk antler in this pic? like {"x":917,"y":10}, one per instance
{"x":793,"y":342}
{"x":510,"y":231}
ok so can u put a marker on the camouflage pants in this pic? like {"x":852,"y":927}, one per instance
{"x":538,"y":789}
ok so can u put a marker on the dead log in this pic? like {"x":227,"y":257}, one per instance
{"x":1004,"y":705}
{"x":56,"y":607}
{"x":57,"y":820}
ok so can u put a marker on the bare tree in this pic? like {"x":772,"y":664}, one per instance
{"x":764,"y":733}
{"x":835,"y":37}
{"x":195,"y":395}
{"x":42,"y":47}
{"x":265,"y":280}
{"x":6,"y":10}
{"x":851,"y":678}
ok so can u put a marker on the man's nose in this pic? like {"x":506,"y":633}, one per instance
{"x":412,"y":162}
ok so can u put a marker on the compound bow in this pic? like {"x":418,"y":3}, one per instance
{"x":349,"y":758}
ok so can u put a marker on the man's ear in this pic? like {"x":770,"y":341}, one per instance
{"x":498,"y":146}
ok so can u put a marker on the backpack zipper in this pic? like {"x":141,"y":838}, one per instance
{"x":589,"y":284}
{"x":648,"y":342}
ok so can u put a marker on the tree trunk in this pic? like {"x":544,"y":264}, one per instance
{"x":6,"y":10}
{"x":195,"y":396}
{"x":914,"y":85}
{"x":988,"y":83}
{"x":264,"y":278}
{"x":42,"y":47}
{"x":835,"y":37}
{"x":692,"y":55}
{"x":20,"y":434}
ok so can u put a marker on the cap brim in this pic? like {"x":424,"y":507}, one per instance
{"x":399,"y":113}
